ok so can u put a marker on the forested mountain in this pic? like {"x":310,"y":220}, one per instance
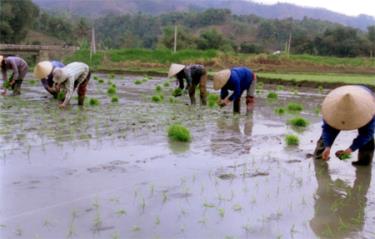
{"x":97,"y":8}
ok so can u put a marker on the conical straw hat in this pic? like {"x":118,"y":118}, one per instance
{"x":174,"y":69}
{"x":221,"y":78}
{"x":348,"y":107}
{"x":1,"y":60}
{"x":43,"y":69}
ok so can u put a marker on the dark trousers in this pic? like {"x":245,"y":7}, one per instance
{"x":82,"y":90}
{"x":365,"y":153}
{"x":202,"y":90}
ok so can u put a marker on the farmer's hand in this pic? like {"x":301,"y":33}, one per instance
{"x":326,"y":153}
{"x":12,"y":82}
{"x":62,"y":106}
{"x":339,"y":153}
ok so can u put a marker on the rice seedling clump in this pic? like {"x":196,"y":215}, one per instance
{"x":94,"y":102}
{"x":158,"y":88}
{"x":280,"y":111}
{"x":295,"y":107}
{"x":115,"y":99}
{"x":272,"y":96}
{"x":138,"y":82}
{"x":291,"y":140}
{"x":299,"y":122}
{"x":111,"y":90}
{"x":177,"y":92}
{"x":157,"y":98}
{"x":178,"y":132}
{"x":212,"y":100}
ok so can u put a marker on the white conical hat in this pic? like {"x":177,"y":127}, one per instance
{"x":174,"y":69}
{"x":221,"y":78}
{"x":43,"y":69}
{"x":348,"y":107}
{"x":1,"y":59}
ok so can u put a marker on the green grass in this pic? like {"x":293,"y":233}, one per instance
{"x":294,"y":107}
{"x":291,"y":140}
{"x":272,"y":96}
{"x":212,"y":100}
{"x":83,"y":55}
{"x":94,"y":102}
{"x":115,"y":99}
{"x":178,"y":132}
{"x":299,"y":122}
{"x":322,"y":78}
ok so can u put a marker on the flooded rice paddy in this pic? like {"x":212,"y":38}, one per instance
{"x":109,"y":171}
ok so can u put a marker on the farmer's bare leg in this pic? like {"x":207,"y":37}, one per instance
{"x":319,"y":149}
{"x":82,"y":89}
{"x":203,"y":89}
{"x":192,"y":93}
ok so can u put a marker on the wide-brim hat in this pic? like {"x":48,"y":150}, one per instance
{"x":348,"y":107}
{"x":221,"y":78}
{"x":175,"y":69}
{"x":43,"y":69}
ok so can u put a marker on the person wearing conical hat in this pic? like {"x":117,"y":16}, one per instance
{"x":194,"y":75}
{"x":348,"y":108}
{"x":43,"y":71}
{"x":238,"y":80}
{"x":75,"y":75}
{"x":19,"y":68}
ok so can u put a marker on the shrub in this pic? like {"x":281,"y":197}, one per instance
{"x":291,"y":140}
{"x":295,"y":107}
{"x":272,"y":96}
{"x":94,"y":102}
{"x":178,"y":132}
{"x":115,"y":99}
{"x":299,"y":122}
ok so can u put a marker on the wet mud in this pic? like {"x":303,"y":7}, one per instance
{"x":109,"y":171}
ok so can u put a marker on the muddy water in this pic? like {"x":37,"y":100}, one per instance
{"x":109,"y":171}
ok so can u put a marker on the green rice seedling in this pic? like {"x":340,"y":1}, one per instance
{"x":166,"y":84}
{"x":260,"y":85}
{"x":221,"y":212}
{"x":138,"y":82}
{"x":317,"y":110}
{"x":344,"y":156}
{"x":178,"y":132}
{"x":177,"y":92}
{"x":237,"y":207}
{"x":280,"y":88}
{"x":32,"y":82}
{"x":115,"y":99}
{"x":113,"y":85}
{"x":158,"y":88}
{"x":299,"y":122}
{"x":100,"y":81}
{"x":94,"y":102}
{"x":321,"y":89}
{"x":111,"y":76}
{"x":136,"y":229}
{"x":111,"y":91}
{"x":156,"y":98}
{"x":96,"y":77}
{"x":291,"y":140}
{"x":121,"y":212}
{"x":272,"y":96}
{"x":294,"y":107}
{"x":212,"y":100}
{"x":208,"y":205}
{"x":280,"y":111}
{"x":172,"y":99}
{"x":61,"y":96}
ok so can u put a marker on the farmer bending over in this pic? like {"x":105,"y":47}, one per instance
{"x":43,"y":71}
{"x":72,"y":76}
{"x":238,"y":80}
{"x":19,"y":68}
{"x":348,"y":108}
{"x":194,"y":75}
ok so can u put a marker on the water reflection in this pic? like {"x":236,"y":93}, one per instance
{"x":339,"y":208}
{"x":233,"y":135}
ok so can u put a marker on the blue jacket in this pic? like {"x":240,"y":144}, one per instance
{"x":48,"y":81}
{"x":365,"y":134}
{"x":239,"y":81}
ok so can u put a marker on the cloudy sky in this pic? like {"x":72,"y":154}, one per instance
{"x":348,"y":7}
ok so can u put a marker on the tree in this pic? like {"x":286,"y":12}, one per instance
{"x":212,"y":39}
{"x":185,"y":38}
{"x":16,"y":17}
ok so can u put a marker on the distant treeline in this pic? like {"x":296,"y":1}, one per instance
{"x":211,"y":29}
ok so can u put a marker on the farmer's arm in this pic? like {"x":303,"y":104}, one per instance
{"x":237,"y":90}
{"x":329,"y":135}
{"x":365,"y":134}
{"x":224,"y":93}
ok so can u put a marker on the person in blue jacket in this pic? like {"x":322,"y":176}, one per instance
{"x":43,"y":71}
{"x":348,"y":108}
{"x":238,"y":80}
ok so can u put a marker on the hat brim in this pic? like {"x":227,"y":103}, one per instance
{"x":221,"y":78}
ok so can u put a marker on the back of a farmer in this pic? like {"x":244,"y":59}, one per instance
{"x":43,"y":71}
{"x":348,"y":108}
{"x":19,"y":69}
{"x":238,"y":80}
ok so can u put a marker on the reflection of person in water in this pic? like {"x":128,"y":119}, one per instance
{"x":339,"y":208}
{"x":233,"y":135}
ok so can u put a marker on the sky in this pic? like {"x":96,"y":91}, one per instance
{"x":348,"y":7}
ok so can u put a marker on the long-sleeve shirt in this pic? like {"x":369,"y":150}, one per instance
{"x":240,"y":80}
{"x":17,"y":65}
{"x":48,"y":81}
{"x":192,"y":74}
{"x":365,"y":134}
{"x":73,"y":75}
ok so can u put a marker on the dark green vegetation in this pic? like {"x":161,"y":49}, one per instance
{"x":299,"y":122}
{"x":157,"y":98}
{"x":345,"y":156}
{"x":115,"y":99}
{"x":178,"y":132}
{"x":212,"y":100}
{"x":111,"y":90}
{"x":272,"y":96}
{"x":94,"y":102}
{"x":291,"y":140}
{"x":280,"y":111}
{"x":177,"y":92}
{"x":294,"y":107}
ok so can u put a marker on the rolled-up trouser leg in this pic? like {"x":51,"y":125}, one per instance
{"x":237,"y":106}
{"x":203,"y":89}
{"x":319,"y":149}
{"x":365,"y":154}
{"x":82,"y":89}
{"x":192,"y":94}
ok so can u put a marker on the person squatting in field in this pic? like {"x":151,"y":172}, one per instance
{"x":19,"y":68}
{"x":348,"y":108}
{"x":72,"y":76}
{"x":44,"y":72}
{"x":238,"y":80}
{"x":195,"y":75}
